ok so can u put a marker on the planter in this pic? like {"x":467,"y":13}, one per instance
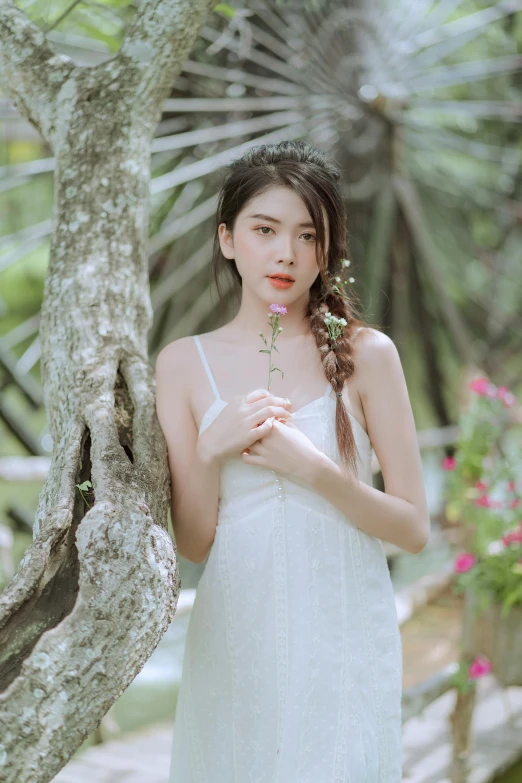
{"x":498,"y":638}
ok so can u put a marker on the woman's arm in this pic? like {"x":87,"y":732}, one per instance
{"x":194,"y":512}
{"x":400,"y":514}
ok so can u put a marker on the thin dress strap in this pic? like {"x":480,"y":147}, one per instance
{"x":206,"y":366}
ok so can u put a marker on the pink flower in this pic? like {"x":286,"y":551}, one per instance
{"x":482,"y":387}
{"x":481,"y":486}
{"x":511,"y":486}
{"x":508,"y":399}
{"x":464,"y":562}
{"x":480,"y":666}
{"x":276,"y":308}
{"x":448,"y":463}
{"x":512,"y":537}
{"x":514,"y":503}
{"x":483,"y":501}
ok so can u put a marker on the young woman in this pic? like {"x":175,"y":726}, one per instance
{"x":293,"y":661}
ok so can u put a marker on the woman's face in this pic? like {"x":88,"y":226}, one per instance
{"x":274,"y":234}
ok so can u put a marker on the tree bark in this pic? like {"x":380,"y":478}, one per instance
{"x":98,"y":587}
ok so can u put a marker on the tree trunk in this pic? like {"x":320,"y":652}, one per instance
{"x":98,"y":587}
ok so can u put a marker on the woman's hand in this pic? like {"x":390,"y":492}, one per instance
{"x":242,"y":422}
{"x":286,"y":450}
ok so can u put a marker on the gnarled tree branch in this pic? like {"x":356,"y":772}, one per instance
{"x":96,"y":590}
{"x":31,"y":72}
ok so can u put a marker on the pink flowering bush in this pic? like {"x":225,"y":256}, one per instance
{"x":483,"y":493}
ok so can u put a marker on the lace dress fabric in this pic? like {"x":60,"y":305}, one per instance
{"x":292,"y":669}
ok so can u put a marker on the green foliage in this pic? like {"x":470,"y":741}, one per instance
{"x":225,"y":10}
{"x":482,"y":493}
{"x":87,"y":488}
{"x":461,"y":679}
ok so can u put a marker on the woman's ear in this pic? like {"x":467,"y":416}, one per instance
{"x":226,"y":241}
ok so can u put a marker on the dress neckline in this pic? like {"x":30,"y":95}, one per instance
{"x":320,"y":399}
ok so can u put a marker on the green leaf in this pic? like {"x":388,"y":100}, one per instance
{"x":85,"y":486}
{"x":225,"y":9}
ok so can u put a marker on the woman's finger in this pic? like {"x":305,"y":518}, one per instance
{"x":257,"y":394}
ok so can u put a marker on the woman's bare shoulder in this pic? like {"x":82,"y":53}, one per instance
{"x":367,"y":338}
{"x":369,"y":346}
{"x":174,"y":355}
{"x":373,"y":352}
{"x":182,"y":349}
{"x":178,"y":362}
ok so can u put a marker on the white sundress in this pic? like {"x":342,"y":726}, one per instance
{"x":292,"y":669}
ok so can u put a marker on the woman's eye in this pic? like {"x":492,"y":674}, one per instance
{"x":261,"y":228}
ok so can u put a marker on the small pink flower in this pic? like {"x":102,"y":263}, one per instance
{"x":481,"y":386}
{"x":514,"y":503}
{"x":511,"y":486}
{"x":480,"y":666}
{"x":464,"y":562}
{"x":484,"y":501}
{"x":481,"y":486}
{"x":276,"y":308}
{"x":512,"y":537}
{"x":448,"y":463}
{"x":508,"y":399}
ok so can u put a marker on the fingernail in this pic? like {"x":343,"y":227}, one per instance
{"x":288,"y":401}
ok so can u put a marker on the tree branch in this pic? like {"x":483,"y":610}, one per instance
{"x":32,"y":73}
{"x":157,"y":43}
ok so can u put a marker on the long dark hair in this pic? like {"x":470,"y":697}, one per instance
{"x":315,"y":178}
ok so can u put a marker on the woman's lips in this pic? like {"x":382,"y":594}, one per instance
{"x":278,"y":283}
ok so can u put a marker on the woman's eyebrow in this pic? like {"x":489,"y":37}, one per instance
{"x":275,"y":220}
